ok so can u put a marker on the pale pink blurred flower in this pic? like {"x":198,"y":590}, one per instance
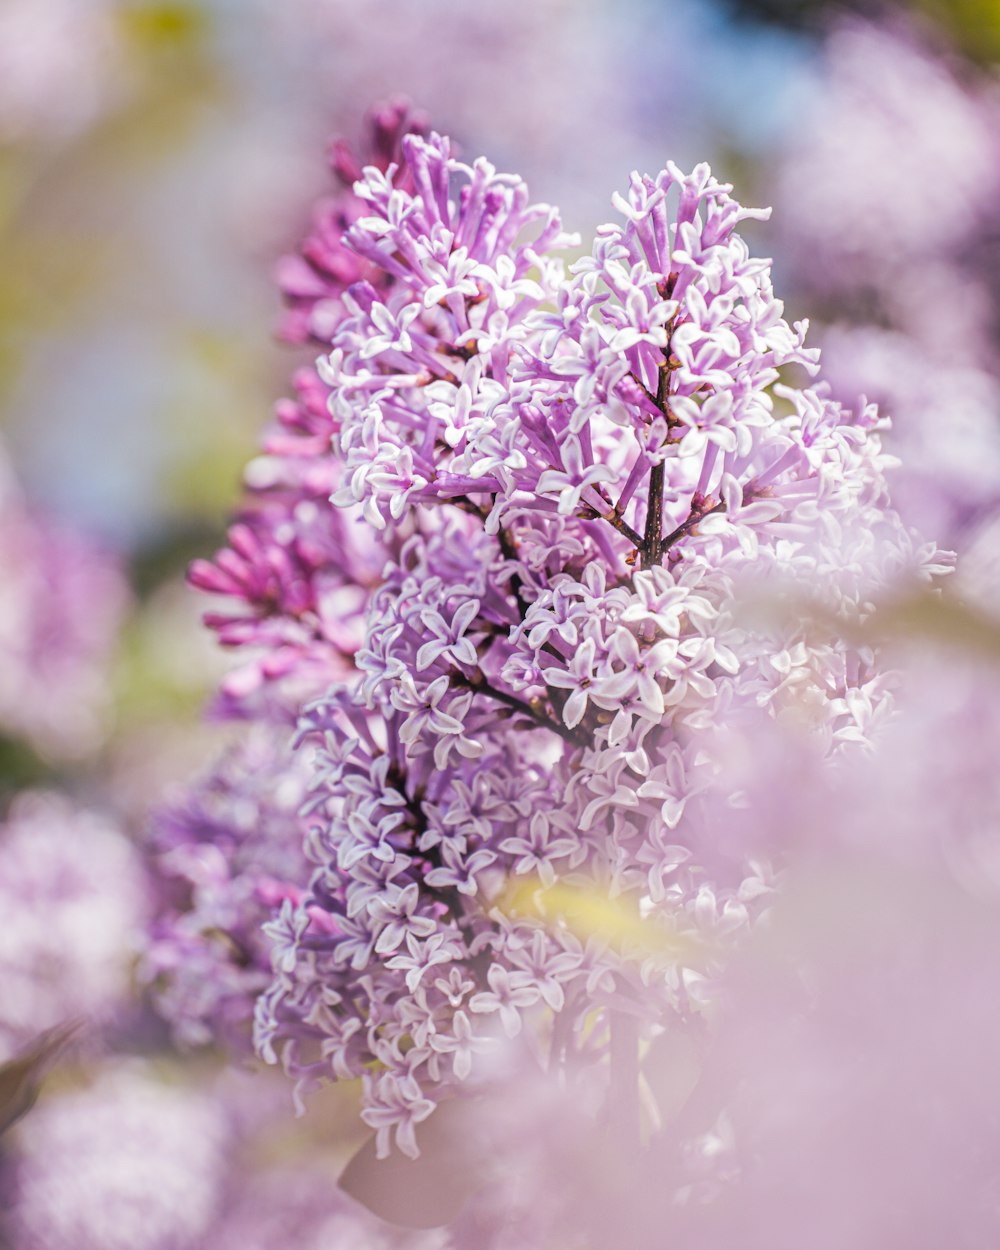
{"x":62,"y":64}
{"x":894,"y":162}
{"x":72,"y":898}
{"x":63,"y":604}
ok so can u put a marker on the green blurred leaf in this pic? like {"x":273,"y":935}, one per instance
{"x":938,"y":617}
{"x":21,"y":1077}
{"x":430,"y":1190}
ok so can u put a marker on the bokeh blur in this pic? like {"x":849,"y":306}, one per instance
{"x":157,"y":160}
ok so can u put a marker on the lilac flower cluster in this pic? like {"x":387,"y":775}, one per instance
{"x":299,"y":572}
{"x":73,"y":899}
{"x":296,"y":576}
{"x":577,"y":483}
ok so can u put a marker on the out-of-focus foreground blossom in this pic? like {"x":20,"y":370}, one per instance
{"x":146,"y":1159}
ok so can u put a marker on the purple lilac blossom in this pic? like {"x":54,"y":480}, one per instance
{"x":895,"y":159}
{"x":580,"y":480}
{"x":296,"y":575}
{"x":62,"y":608}
{"x":226,"y":852}
{"x":127,"y":1163}
{"x":73,"y":900}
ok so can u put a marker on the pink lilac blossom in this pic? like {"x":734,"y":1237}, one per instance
{"x":63,"y":605}
{"x":295,"y":578}
{"x":73,"y":900}
{"x":580,"y":480}
{"x":297,"y":572}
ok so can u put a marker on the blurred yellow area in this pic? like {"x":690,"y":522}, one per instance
{"x":589,"y":914}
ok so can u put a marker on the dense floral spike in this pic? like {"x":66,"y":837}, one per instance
{"x":580,"y":482}
{"x":73,"y":900}
{"x":313,"y":281}
{"x":297,"y":574}
{"x":297,"y":571}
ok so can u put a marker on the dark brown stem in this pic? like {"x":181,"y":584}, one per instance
{"x":480,"y":685}
{"x":686,"y":526}
{"x":616,"y":521}
{"x":652,"y":540}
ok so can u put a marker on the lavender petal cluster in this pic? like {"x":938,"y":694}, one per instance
{"x":580,"y":478}
{"x":295,"y":574}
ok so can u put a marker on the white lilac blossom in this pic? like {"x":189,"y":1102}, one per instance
{"x":73,"y":901}
{"x":584,"y":482}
